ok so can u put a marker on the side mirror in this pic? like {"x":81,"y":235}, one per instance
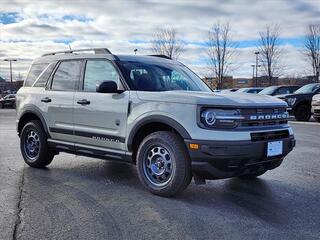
{"x":108,"y":87}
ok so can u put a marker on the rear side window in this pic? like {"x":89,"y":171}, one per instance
{"x":44,"y":76}
{"x":67,"y":76}
{"x":34,"y":73}
{"x":283,"y":90}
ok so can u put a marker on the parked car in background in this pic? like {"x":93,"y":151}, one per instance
{"x":8,"y":101}
{"x":250,"y":90}
{"x":279,"y":90}
{"x":299,"y":102}
{"x":316,"y":107}
{"x":229,"y":90}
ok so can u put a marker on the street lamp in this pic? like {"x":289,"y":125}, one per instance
{"x":135,"y":51}
{"x":257,"y":56}
{"x":10,"y":60}
{"x":253,"y":66}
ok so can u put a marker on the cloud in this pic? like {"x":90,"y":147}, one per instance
{"x":30,"y":28}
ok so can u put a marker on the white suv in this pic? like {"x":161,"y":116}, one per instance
{"x":150,"y":111}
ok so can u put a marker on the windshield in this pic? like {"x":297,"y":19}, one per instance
{"x":309,"y":88}
{"x":242,"y":90}
{"x":159,"y":76}
{"x":268,"y":90}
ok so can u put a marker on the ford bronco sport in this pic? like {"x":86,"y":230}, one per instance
{"x":150,"y":111}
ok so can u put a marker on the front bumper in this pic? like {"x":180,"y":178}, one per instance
{"x":224,"y":159}
{"x":316,"y":111}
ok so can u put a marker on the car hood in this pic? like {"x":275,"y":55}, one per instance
{"x":211,"y":98}
{"x":316,"y":97}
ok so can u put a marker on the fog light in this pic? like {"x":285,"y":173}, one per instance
{"x":193,"y":146}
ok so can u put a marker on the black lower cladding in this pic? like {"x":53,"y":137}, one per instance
{"x":98,"y":136}
{"x":224,"y":159}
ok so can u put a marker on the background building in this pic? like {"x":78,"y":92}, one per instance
{"x":262,"y":81}
{"x":5,"y":85}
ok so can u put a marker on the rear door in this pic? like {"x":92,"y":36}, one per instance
{"x":59,"y":99}
{"x":100,"y":118}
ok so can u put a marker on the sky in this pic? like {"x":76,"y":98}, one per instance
{"x":31,"y":28}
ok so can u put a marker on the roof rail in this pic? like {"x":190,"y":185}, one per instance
{"x":96,"y":51}
{"x":160,"y":56}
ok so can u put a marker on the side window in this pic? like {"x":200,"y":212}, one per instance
{"x":282,"y":90}
{"x":67,"y":76}
{"x":98,"y":71}
{"x":35,"y":71}
{"x":43,"y":78}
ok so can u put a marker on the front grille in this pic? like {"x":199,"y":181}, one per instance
{"x":264,"y":117}
{"x":266,"y":136}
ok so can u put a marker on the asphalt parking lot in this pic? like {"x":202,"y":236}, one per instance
{"x":84,"y":198}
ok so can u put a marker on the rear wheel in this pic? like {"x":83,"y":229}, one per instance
{"x":33,"y":145}
{"x":163,"y":164}
{"x":302,"y":112}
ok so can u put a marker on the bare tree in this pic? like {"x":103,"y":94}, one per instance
{"x":220,"y":50}
{"x":312,"y":48}
{"x":165,"y":42}
{"x":270,"y":52}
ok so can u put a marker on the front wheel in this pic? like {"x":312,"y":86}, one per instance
{"x":302,"y":113}
{"x":163,"y":164}
{"x":33,"y":145}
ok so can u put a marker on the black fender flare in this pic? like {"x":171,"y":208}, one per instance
{"x":35,"y":111}
{"x":157,"y":119}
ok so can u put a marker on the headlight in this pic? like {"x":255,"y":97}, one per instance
{"x":291,"y":101}
{"x":220,"y":118}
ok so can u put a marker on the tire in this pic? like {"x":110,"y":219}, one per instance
{"x":302,"y":113}
{"x":317,"y":119}
{"x":253,"y":175}
{"x":33,"y":145}
{"x":163,"y":164}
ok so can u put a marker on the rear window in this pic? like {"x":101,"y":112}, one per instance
{"x":44,"y":76}
{"x":34,"y":73}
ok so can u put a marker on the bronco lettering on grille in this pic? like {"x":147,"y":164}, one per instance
{"x":269,"y":117}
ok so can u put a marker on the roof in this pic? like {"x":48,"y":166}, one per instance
{"x":99,"y":53}
{"x":145,"y":58}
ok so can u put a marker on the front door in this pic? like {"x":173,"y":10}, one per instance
{"x":100,"y":118}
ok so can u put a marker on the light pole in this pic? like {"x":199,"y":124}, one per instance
{"x":257,"y":56}
{"x":135,"y":51}
{"x":10,"y":60}
{"x":253,"y":66}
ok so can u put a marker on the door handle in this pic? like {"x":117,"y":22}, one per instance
{"x":46,"y":100}
{"x":83,"y":102}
